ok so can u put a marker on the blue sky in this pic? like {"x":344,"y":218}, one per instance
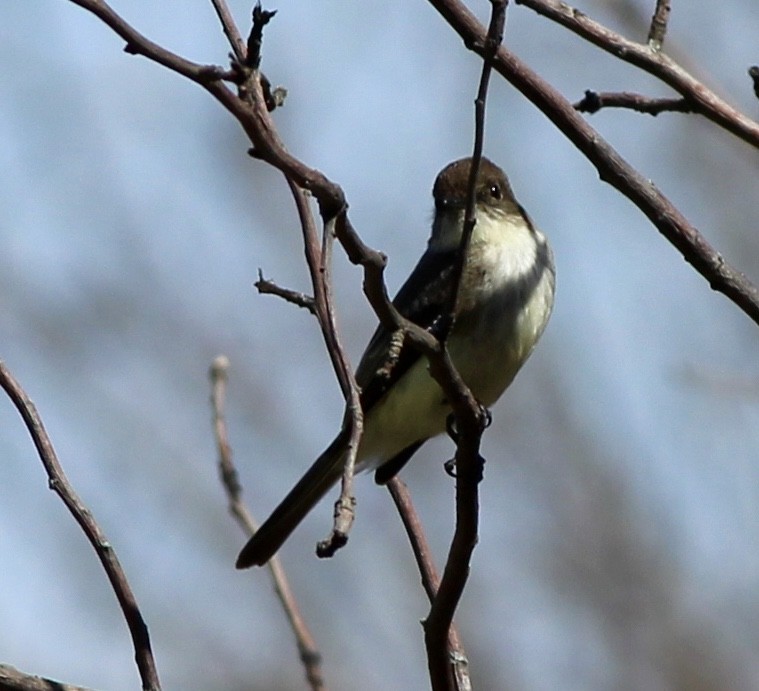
{"x":620,"y":501}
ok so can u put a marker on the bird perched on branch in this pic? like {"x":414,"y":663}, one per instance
{"x":504,"y":301}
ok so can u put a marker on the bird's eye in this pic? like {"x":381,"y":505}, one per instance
{"x":495,"y":191}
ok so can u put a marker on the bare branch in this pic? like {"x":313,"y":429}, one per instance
{"x":268,"y":287}
{"x":230,"y":29}
{"x":612,"y":168}
{"x":60,"y":485}
{"x":345,"y":506}
{"x":470,"y":417}
{"x":705,"y":101}
{"x":13,"y":680}
{"x":307,"y":649}
{"x":261,"y":18}
{"x":659,"y":24}
{"x":430,"y":578}
{"x":595,"y":101}
{"x":753,"y":72}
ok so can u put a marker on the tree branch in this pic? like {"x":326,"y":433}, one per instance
{"x":705,"y":101}
{"x":230,"y":29}
{"x":60,"y":485}
{"x":612,"y":168}
{"x":268,"y":287}
{"x":595,"y":101}
{"x":471,"y":419}
{"x":430,"y":579}
{"x":659,"y":24}
{"x":307,"y":649}
{"x":13,"y":680}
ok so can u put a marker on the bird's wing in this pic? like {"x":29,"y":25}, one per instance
{"x":421,"y":299}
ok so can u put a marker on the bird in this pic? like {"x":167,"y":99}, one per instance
{"x":504,"y":301}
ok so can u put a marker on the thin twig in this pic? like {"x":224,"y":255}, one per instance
{"x":318,"y":259}
{"x":430,"y":578}
{"x":470,"y":421}
{"x":345,"y":506}
{"x":658,"y":26}
{"x":307,"y":650}
{"x":62,"y":487}
{"x":268,"y":287}
{"x":612,"y":168}
{"x":595,"y":101}
{"x":706,"y":102}
{"x":230,"y":29}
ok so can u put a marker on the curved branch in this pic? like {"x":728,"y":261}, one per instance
{"x":309,"y":653}
{"x":612,"y":168}
{"x":60,"y":485}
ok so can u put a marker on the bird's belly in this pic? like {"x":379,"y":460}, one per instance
{"x":487,"y":347}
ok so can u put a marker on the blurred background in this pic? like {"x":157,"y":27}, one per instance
{"x":620,"y":534}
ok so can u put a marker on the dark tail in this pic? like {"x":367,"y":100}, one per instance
{"x":267,"y":540}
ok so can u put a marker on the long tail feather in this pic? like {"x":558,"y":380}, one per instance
{"x":324,"y":473}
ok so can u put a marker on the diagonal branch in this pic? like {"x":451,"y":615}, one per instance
{"x":612,"y":168}
{"x":308,"y":652}
{"x":230,"y":29}
{"x":62,"y":487}
{"x":705,"y":101}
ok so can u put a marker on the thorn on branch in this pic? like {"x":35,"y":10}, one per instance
{"x":753,"y":72}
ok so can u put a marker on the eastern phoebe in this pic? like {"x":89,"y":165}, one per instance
{"x":504,"y":302}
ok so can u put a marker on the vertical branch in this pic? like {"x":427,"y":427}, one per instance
{"x":469,"y":426}
{"x":308,"y":652}
{"x":62,"y":487}
{"x":658,"y":26}
{"x":493,"y":40}
{"x":319,"y":260}
{"x":430,"y":578}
